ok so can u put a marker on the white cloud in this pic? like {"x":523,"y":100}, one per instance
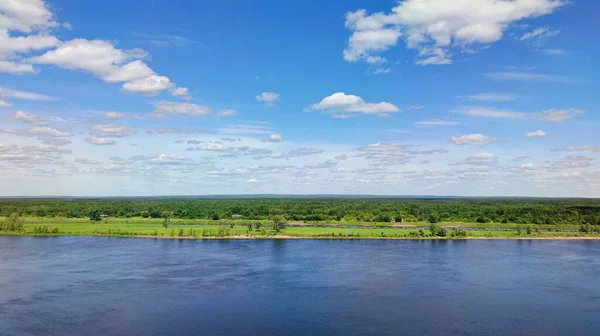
{"x":584,"y":148}
{"x":534,"y":134}
{"x":433,"y":27}
{"x":555,"y":115}
{"x":30,"y":118}
{"x":111,"y":130}
{"x":181,"y":92}
{"x":43,"y":154}
{"x":379,"y":147}
{"x":57,"y":142}
{"x":114,"y":115}
{"x":227,"y":112}
{"x":498,"y":97}
{"x":149,"y":86}
{"x":25,"y":15}
{"x":540,"y":34}
{"x":99,"y":57}
{"x":4,"y":104}
{"x":268,"y":97}
{"x":24,"y":95}
{"x":489,"y":112}
{"x":415,"y":107}
{"x":528,"y":76}
{"x":275,"y":137}
{"x":472,"y":139}
{"x":346,"y":105}
{"x":164,"y":108}
{"x":571,"y":162}
{"x":528,"y":166}
{"x":436,"y":123}
{"x":100,"y":141}
{"x":480,"y":159}
{"x":41,"y":132}
{"x":15,"y":68}
{"x":111,"y":64}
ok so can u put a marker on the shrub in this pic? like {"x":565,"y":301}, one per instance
{"x":458,"y":232}
{"x":12,"y":223}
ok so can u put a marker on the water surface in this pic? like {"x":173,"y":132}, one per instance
{"x":121,"y":286}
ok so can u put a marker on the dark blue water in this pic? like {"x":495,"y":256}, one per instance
{"x":112,"y":286}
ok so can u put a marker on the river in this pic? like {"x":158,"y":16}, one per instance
{"x":128,"y":286}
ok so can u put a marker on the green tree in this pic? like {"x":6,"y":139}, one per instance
{"x":519,"y":230}
{"x":95,"y":215}
{"x":278,"y":223}
{"x":528,"y":229}
{"x":167,"y":215}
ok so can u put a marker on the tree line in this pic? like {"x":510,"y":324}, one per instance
{"x":475,"y":210}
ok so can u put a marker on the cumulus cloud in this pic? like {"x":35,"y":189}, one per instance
{"x":149,"y":86}
{"x":275,"y":137}
{"x":99,"y":141}
{"x":415,"y":107}
{"x":472,"y":139}
{"x":166,"y":108}
{"x":31,"y":19}
{"x":30,"y":118}
{"x":181,"y":92}
{"x":341,"y":104}
{"x":556,"y":115}
{"x":111,"y":130}
{"x":102,"y":59}
{"x":268,"y":97}
{"x":434,"y":27}
{"x":534,"y":134}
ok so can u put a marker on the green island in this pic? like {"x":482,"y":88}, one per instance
{"x":303,"y":217}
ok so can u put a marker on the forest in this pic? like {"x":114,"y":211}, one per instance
{"x":432,"y":210}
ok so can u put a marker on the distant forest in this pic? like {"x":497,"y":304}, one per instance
{"x":476,"y":210}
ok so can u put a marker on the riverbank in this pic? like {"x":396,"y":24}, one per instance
{"x":232,"y":231}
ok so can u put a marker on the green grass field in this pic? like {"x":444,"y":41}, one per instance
{"x":140,"y":227}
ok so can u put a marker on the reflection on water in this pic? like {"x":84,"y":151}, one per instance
{"x":116,"y":286}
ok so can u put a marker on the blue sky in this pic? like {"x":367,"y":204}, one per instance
{"x":465,"y":97}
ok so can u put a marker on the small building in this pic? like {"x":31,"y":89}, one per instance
{"x":236,"y":216}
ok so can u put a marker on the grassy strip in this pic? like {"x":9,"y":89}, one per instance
{"x":229,"y":231}
{"x":244,"y":222}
